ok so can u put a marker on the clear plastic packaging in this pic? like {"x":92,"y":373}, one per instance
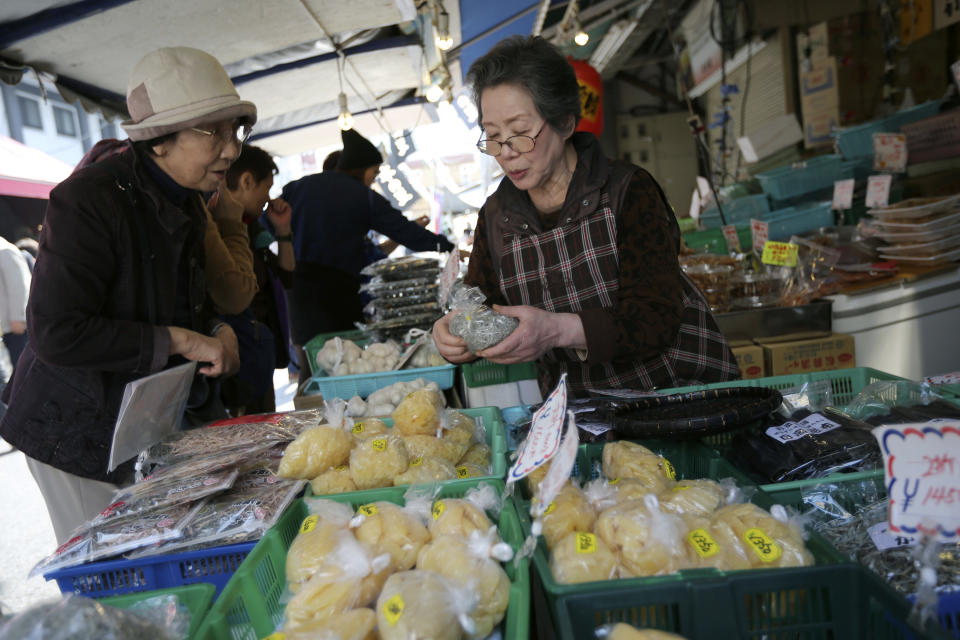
{"x":582,"y":556}
{"x":419,"y":413}
{"x":424,"y":604}
{"x":623,"y":459}
{"x":73,"y":617}
{"x":389,"y":528}
{"x":374,"y":463}
{"x":426,"y":470}
{"x":771,"y":538}
{"x":318,"y":536}
{"x":401,"y":268}
{"x":714,"y":281}
{"x":476,"y":323}
{"x":462,"y":516}
{"x":568,"y":512}
{"x":647,"y":540}
{"x":315,"y":451}
{"x":446,"y":449}
{"x":355,"y":624}
{"x":692,"y":497}
{"x":340,"y":357}
{"x":878,"y":398}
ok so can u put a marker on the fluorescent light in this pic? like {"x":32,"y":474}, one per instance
{"x":611,"y":43}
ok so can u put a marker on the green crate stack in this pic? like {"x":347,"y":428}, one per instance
{"x":250,"y":606}
{"x":483,"y":373}
{"x":195,"y":597}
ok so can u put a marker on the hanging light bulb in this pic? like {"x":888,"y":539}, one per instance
{"x":434,"y":93}
{"x":443,"y":39}
{"x":345,"y":119}
{"x":582,"y":37}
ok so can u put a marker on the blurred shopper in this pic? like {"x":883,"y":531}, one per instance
{"x":14,"y":288}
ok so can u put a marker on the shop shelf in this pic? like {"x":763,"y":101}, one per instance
{"x":496,"y":438}
{"x":805,"y":177}
{"x":250,"y":606}
{"x":857,"y":142}
{"x":843,"y":601}
{"x":195,"y":597}
{"x":483,"y":373}
{"x":712,"y":240}
{"x":117,"y":577}
{"x":738,"y":211}
{"x":363,"y":384}
{"x":690,"y":461}
{"x":312,"y":348}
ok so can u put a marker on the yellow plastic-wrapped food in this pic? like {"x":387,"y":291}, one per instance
{"x":582,"y":556}
{"x":310,"y":549}
{"x":569,"y":511}
{"x":623,"y":631}
{"x":355,"y":624}
{"x":336,"y":480}
{"x":479,"y":454}
{"x":459,"y":427}
{"x":769,"y":541}
{"x":692,"y":497}
{"x":434,"y":447}
{"x":420,"y":604}
{"x":470,"y":470}
{"x":535,"y":477}
{"x":419,"y":413}
{"x":314,"y":451}
{"x":714,"y":544}
{"x":388,"y":528}
{"x":369,"y":428}
{"x":457,"y":517}
{"x":455,"y":558}
{"x":631,"y":489}
{"x":624,"y":459}
{"x":375,"y":462}
{"x":424,"y":470}
{"x":648,"y":541}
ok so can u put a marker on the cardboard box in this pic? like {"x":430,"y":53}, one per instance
{"x":835,"y":351}
{"x":750,"y":359}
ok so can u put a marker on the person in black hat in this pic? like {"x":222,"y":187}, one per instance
{"x":332,"y":213}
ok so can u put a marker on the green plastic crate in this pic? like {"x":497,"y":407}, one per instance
{"x":496,"y":438}
{"x":690,"y":460}
{"x":483,"y":373}
{"x":825,"y":602}
{"x":196,"y":597}
{"x":250,"y":607}
{"x":312,"y":348}
{"x":713,"y":241}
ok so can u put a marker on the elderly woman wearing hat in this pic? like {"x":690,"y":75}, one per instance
{"x":119,"y":290}
{"x":580,"y":249}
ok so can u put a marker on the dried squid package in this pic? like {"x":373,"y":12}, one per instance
{"x":569,"y":511}
{"x":391,"y":529}
{"x":623,"y":459}
{"x":424,"y":604}
{"x":480,"y":326}
{"x":647,"y":540}
{"x":374,"y":463}
{"x":419,"y":413}
{"x":474,"y":563}
{"x":770,"y":537}
{"x":582,"y":556}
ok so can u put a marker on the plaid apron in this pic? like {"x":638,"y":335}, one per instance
{"x":576,"y":266}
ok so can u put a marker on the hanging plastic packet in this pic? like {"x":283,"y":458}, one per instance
{"x":476,"y":323}
{"x":813,"y":396}
{"x":74,"y":616}
{"x":474,"y":563}
{"x":320,"y":448}
{"x":425,"y":604}
{"x":89,"y":544}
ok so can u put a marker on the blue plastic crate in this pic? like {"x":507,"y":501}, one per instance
{"x":857,"y":142}
{"x":117,"y":577}
{"x":363,"y":384}
{"x":737,"y":211}
{"x":813,"y":175}
{"x":794,"y":220}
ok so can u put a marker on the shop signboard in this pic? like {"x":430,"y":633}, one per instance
{"x":820,"y":103}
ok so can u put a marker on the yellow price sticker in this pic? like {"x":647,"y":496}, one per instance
{"x":586,"y":543}
{"x":438,"y":508}
{"x":367,"y":509}
{"x":781,"y":254}
{"x":416,"y":462}
{"x":669,"y":470}
{"x":765,"y":548}
{"x":279,"y":635}
{"x":614,"y":481}
{"x":703,"y":543}
{"x":380,"y":444}
{"x":681,"y":487}
{"x":309,"y":524}
{"x":358,"y":428}
{"x":342,"y":467}
{"x":550,"y":508}
{"x":463,"y":472}
{"x":393,"y":609}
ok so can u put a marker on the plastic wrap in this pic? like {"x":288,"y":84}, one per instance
{"x":478,"y":454}
{"x":419,"y":413}
{"x":878,"y":398}
{"x":369,"y":428}
{"x":318,"y":536}
{"x":374,"y":463}
{"x":399,"y":298}
{"x":623,"y":631}
{"x":424,"y":604}
{"x":410,"y":310}
{"x":402,"y":268}
{"x":336,"y":480}
{"x":355,"y":624}
{"x":473,"y":563}
{"x":315,"y":451}
{"x":813,"y":276}
{"x":384,"y":401}
{"x":808,"y":445}
{"x":582,"y":556}
{"x":389,"y":528}
{"x":426,"y":470}
{"x":340,"y":357}
{"x":568,"y":512}
{"x":623,"y":459}
{"x":692,"y":497}
{"x":647,"y":540}
{"x":813,"y":396}
{"x":431,"y":446}
{"x":714,"y":543}
{"x":476,"y":323}
{"x":75,"y":617}
{"x":462,"y":516}
{"x":770,"y":541}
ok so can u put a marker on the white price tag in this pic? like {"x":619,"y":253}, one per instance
{"x":760,"y":233}
{"x":890,"y":152}
{"x":878,"y":191}
{"x":921,"y":462}
{"x":880,"y":534}
{"x":543,"y":440}
{"x":817,"y":424}
{"x":944,"y":378}
{"x":843,"y":194}
{"x":786,"y":432}
{"x":596,"y":428}
{"x":733,"y":240}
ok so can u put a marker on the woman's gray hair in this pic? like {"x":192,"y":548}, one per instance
{"x":538,"y":67}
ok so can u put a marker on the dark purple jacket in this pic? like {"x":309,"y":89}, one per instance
{"x":88,"y":309}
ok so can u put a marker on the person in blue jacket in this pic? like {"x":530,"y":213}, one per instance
{"x":332,"y":213}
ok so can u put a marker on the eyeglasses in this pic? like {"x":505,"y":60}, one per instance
{"x":519,"y":144}
{"x":238,"y":132}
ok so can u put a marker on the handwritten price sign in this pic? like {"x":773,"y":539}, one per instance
{"x":781,"y":254}
{"x":922,"y":463}
{"x":545,"y":432}
{"x":759,"y":233}
{"x":733,"y":240}
{"x":890,"y":152}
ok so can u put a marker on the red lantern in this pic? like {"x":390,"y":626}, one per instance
{"x":591,"y":97}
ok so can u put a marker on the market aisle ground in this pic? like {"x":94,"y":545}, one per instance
{"x":27,"y":536}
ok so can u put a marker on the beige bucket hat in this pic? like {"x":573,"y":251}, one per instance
{"x":175,"y":88}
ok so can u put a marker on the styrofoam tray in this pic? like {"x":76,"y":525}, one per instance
{"x":924,"y":248}
{"x":894,"y":237}
{"x":917,"y":207}
{"x":943,"y":258}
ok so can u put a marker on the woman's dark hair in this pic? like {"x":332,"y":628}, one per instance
{"x":357,"y":174}
{"x":253,"y":159}
{"x":536,"y":65}
{"x":330,"y":162}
